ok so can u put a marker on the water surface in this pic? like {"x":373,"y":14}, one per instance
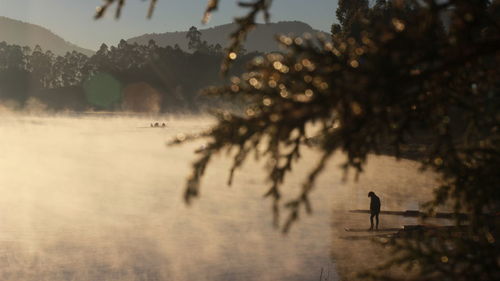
{"x":92,"y":198}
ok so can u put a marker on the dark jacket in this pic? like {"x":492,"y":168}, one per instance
{"x":375,"y":204}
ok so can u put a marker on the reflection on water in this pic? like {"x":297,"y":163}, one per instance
{"x":100,"y":199}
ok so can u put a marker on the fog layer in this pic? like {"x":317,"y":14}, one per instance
{"x":91,"y":198}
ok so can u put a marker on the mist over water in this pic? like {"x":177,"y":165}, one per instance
{"x":93,"y":198}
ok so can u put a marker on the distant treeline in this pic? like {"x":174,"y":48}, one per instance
{"x":129,"y":77}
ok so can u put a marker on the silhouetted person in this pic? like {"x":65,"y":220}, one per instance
{"x":374,"y":208}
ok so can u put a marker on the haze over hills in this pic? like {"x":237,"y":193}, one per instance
{"x":26,"y":34}
{"x":261,"y":39}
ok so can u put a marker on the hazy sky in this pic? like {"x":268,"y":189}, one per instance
{"x":72,"y":19}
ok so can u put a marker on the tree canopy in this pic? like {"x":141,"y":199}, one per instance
{"x":58,"y":81}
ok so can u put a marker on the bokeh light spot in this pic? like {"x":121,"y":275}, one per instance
{"x":102,"y":90}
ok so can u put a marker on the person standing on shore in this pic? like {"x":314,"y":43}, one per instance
{"x":374,"y":209}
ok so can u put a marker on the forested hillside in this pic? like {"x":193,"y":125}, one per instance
{"x":261,"y":39}
{"x":126,"y":77}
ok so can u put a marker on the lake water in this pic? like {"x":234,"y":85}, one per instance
{"x":100,"y":198}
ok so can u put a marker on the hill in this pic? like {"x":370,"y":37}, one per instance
{"x":260,"y":39}
{"x":25,"y":34}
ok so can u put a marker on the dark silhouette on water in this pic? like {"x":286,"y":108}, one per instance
{"x":391,"y":229}
{"x":416,"y":213}
{"x":374,"y":209}
{"x":157,"y":125}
